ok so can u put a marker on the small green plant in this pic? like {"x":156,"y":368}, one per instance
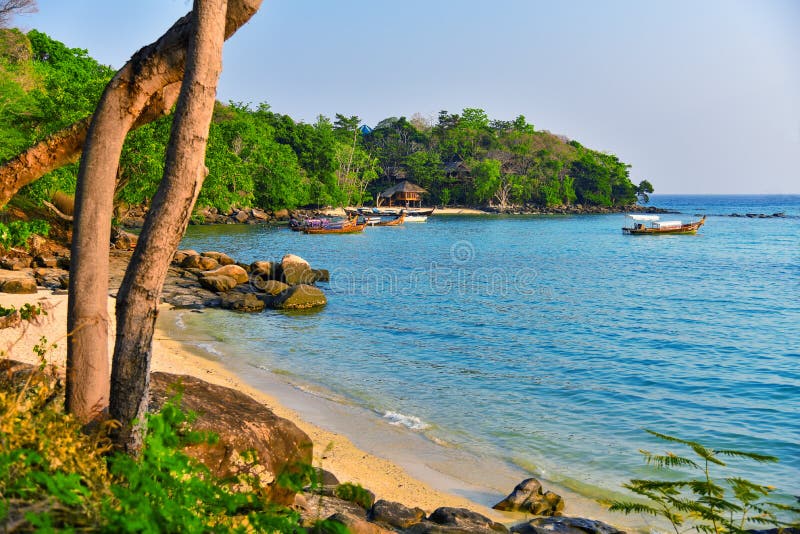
{"x":28,"y":312}
{"x":18,"y":233}
{"x":355,"y":493}
{"x":702,"y":503}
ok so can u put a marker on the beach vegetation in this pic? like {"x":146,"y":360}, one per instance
{"x":54,"y":475}
{"x":692,"y":497}
{"x":17,"y":234}
{"x":356,"y":494}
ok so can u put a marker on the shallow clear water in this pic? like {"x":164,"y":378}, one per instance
{"x":550,"y":342}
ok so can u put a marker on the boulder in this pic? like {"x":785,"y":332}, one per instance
{"x":281,"y":215}
{"x":448,"y":520}
{"x":258,"y":214}
{"x":50,"y":278}
{"x":264,"y":268}
{"x":45,"y":261}
{"x":123,"y":240}
{"x":354,"y":524}
{"x":241,"y":216}
{"x":315,"y":505}
{"x":234,"y":271}
{"x":219,"y":283}
{"x":395,"y":515}
{"x":181,"y":255}
{"x":63,"y":262}
{"x":221,"y":257}
{"x":15,"y":264}
{"x":18,"y":285}
{"x":204,"y":263}
{"x":243,"y":302}
{"x":528,"y":497}
{"x":321,"y":275}
{"x":270,"y":287}
{"x":564,"y":525}
{"x":295,"y":270}
{"x":300,"y":297}
{"x":243,"y":426}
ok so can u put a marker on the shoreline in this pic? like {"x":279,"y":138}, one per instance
{"x":414,"y":477}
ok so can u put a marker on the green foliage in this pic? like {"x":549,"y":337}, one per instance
{"x":54,"y":476}
{"x":18,"y":233}
{"x":644,"y":190}
{"x":258,"y":158}
{"x":703,"y":503}
{"x":355,"y":493}
{"x":28,"y":311}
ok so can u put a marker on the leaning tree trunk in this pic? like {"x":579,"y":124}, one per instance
{"x":125,"y":99}
{"x":169,"y":52}
{"x":184,"y":170}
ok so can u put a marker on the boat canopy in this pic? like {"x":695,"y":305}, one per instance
{"x":638,"y":217}
{"x":668,"y":224}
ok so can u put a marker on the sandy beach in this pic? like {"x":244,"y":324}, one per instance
{"x":332,"y":451}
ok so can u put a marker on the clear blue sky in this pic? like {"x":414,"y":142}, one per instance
{"x":699,"y":96}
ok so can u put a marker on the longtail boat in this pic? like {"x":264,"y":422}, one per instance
{"x":397,"y":221}
{"x":350,"y":226}
{"x":652,"y":225}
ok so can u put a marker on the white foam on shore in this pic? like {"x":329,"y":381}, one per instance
{"x":211,"y":349}
{"x":408,"y":421}
{"x":179,"y":321}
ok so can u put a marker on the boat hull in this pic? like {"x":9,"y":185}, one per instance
{"x":684,"y":229}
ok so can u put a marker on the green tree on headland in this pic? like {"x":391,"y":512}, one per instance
{"x":260,"y":158}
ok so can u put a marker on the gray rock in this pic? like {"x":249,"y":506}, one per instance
{"x":204,"y":263}
{"x":18,"y":285}
{"x":295,"y":270}
{"x":243,"y":302}
{"x":221,"y":257}
{"x":395,"y":515}
{"x":219,"y":283}
{"x":15,"y":264}
{"x":300,"y":297}
{"x":448,"y":520}
{"x":528,"y":497}
{"x":564,"y":525}
{"x":46,"y":261}
{"x":241,"y":216}
{"x":354,"y":524}
{"x":321,"y":275}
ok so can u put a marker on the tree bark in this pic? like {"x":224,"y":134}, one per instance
{"x":166,"y":221}
{"x":128,"y":94}
{"x":168,"y":53}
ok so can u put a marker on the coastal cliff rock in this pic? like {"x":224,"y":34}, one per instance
{"x":529,"y":497}
{"x":564,"y":525}
{"x":243,"y":425}
{"x":448,"y":520}
{"x":300,"y":297}
{"x":357,"y":525}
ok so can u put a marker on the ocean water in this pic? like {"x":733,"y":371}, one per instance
{"x":547,"y":343}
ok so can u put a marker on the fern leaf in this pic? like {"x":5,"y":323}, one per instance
{"x":628,"y":508}
{"x":763,"y":458}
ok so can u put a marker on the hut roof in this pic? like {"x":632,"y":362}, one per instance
{"x":403,"y":187}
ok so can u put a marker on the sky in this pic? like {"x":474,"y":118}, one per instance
{"x":699,"y":96}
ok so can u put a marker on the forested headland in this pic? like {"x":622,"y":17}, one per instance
{"x":259,"y":158}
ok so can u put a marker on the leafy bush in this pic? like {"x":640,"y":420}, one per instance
{"x":355,"y":493}
{"x":708,"y":505}
{"x":53,"y":476}
{"x":17,"y":233}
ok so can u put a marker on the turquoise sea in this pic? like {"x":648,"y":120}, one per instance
{"x":545,"y":343}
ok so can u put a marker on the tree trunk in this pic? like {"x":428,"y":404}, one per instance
{"x":168,"y":53}
{"x":184,"y":170}
{"x":128,"y":94}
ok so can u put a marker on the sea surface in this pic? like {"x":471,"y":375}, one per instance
{"x":545,"y":343}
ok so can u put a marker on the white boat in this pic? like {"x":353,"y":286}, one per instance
{"x":416,"y":218}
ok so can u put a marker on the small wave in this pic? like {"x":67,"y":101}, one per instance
{"x":179,"y":321}
{"x":210,"y":348}
{"x":408,"y":421}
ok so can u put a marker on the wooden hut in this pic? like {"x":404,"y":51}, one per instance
{"x":403,"y":194}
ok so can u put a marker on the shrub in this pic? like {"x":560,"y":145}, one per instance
{"x":708,"y":505}
{"x":355,"y":493}
{"x":17,"y":233}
